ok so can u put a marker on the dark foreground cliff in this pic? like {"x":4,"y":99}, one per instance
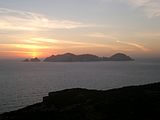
{"x":129,"y":103}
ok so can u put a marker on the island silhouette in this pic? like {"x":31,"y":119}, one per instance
{"x":70,"y":57}
{"x":32,"y":60}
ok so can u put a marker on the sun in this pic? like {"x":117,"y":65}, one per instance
{"x":35,"y":54}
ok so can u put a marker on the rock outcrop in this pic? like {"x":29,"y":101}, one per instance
{"x":35,"y":60}
{"x":26,"y":60}
{"x":32,"y":60}
{"x":128,"y":103}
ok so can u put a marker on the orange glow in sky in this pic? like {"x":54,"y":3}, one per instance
{"x":35,"y":54}
{"x":102,"y":30}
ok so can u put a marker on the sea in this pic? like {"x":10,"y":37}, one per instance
{"x":26,"y":83}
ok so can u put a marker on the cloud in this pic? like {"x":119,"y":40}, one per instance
{"x":27,"y":46}
{"x":48,"y":44}
{"x":102,"y":35}
{"x":54,"y":43}
{"x":149,"y":34}
{"x":150,"y":7}
{"x":28,"y":21}
{"x":141,"y":47}
{"x":115,"y":39}
{"x":40,"y":46}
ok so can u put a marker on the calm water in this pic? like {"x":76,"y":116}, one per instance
{"x":23,"y":84}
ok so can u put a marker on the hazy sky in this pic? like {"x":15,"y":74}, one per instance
{"x":30,"y":28}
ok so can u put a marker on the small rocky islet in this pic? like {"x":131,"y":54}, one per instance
{"x":128,"y":103}
{"x":32,"y":60}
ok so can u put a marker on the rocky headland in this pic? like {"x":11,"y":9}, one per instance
{"x":128,"y":103}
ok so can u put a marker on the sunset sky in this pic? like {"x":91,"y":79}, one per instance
{"x":39,"y":28}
